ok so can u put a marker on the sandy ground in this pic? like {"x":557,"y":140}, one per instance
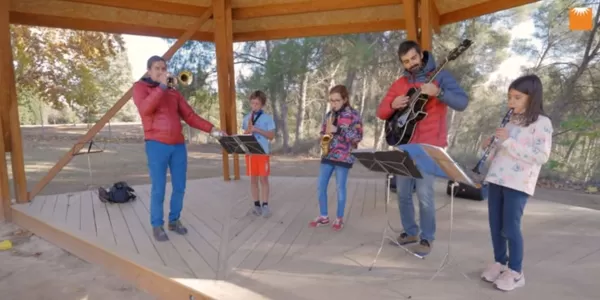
{"x":35,"y":269}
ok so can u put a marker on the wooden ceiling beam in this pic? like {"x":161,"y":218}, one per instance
{"x":102,"y":26}
{"x":270,"y":10}
{"x":150,"y":5}
{"x":481,"y":9}
{"x":310,"y":31}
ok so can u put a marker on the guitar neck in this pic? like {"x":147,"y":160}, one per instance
{"x":436,"y":72}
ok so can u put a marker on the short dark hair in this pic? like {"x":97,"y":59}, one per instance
{"x":530,"y":85}
{"x":407,"y":46}
{"x":260,"y":95}
{"x":154,"y":59}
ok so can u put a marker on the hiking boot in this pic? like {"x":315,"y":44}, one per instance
{"x":338,"y":224}
{"x":404,"y":239}
{"x":177,"y":227}
{"x":160,"y":234}
{"x":266,"y":211}
{"x":423,"y":248}
{"x":493,"y":271}
{"x":319,"y":221}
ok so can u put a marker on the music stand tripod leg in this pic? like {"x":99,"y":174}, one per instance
{"x":447,"y":260}
{"x":385,"y":235}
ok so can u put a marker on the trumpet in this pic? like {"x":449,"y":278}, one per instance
{"x":489,"y":147}
{"x":184,"y":77}
{"x":326,"y":139}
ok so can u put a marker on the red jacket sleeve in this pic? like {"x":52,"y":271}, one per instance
{"x":385,"y":110}
{"x":191,"y":118}
{"x":146,"y":99}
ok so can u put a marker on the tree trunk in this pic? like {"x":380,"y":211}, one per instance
{"x":301,"y":111}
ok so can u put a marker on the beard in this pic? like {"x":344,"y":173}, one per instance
{"x":414,"y":68}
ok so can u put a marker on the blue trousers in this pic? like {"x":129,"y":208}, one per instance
{"x":341,"y":177}
{"x":505,"y":209}
{"x":425,"y":195}
{"x":160,"y":157}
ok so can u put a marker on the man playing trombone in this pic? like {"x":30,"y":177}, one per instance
{"x":161,"y":108}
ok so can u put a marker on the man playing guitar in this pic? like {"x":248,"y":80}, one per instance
{"x":444,"y":92}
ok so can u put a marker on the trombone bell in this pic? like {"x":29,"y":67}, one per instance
{"x":185,"y":78}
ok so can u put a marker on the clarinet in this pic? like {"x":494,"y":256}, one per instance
{"x":488,"y":149}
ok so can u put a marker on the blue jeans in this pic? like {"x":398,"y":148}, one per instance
{"x":160,"y":156}
{"x":505,"y":209}
{"x":425,"y":195}
{"x":341,"y":177}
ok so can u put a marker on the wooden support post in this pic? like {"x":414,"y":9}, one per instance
{"x":232,"y":118}
{"x":425,"y":32}
{"x":435,"y":18}
{"x":410,"y":17}
{"x":224,"y":49}
{"x":114,"y":110}
{"x":10,"y":107}
{"x":5,"y":210}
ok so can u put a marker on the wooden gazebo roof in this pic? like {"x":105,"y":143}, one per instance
{"x":252,"y":19}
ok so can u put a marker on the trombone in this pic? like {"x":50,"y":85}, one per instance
{"x":184,"y":77}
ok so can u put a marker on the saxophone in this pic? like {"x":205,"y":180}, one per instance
{"x":326,"y":139}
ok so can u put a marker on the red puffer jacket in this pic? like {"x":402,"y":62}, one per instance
{"x":161,"y":111}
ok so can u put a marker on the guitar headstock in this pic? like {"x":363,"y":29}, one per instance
{"x":456,"y":52}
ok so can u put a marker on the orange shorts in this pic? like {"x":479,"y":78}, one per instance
{"x":258,"y":165}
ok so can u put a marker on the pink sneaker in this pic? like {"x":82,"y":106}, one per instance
{"x":320,"y":221}
{"x":510,"y":280}
{"x":493,"y":271}
{"x":338,"y":224}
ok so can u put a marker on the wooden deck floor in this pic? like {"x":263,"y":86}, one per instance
{"x":282,"y":258}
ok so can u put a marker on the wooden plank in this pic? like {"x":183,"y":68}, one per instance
{"x":435,"y":18}
{"x":232,"y":92}
{"x":425,"y":24}
{"x":112,"y":111}
{"x":123,"y":236}
{"x":223,"y":51}
{"x":5,"y":202}
{"x":150,"y":5}
{"x":74,"y":211}
{"x":5,"y":82}
{"x":88,"y":222}
{"x":10,"y":107}
{"x":410,"y":17}
{"x":282,"y":9}
{"x":104,"y":230}
{"x":78,"y":23}
{"x":60,"y":208}
{"x":481,"y":9}
{"x":322,"y":30}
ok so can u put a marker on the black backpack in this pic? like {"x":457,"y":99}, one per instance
{"x":120,"y":192}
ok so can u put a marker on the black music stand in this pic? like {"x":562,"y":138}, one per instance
{"x":241,"y":144}
{"x":436,"y":161}
{"x":394,"y":162}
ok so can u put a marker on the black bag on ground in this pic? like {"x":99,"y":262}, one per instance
{"x":466,"y":191}
{"x":120,"y":192}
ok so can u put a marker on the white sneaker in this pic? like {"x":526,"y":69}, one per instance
{"x":510,"y":280}
{"x":493,"y":271}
